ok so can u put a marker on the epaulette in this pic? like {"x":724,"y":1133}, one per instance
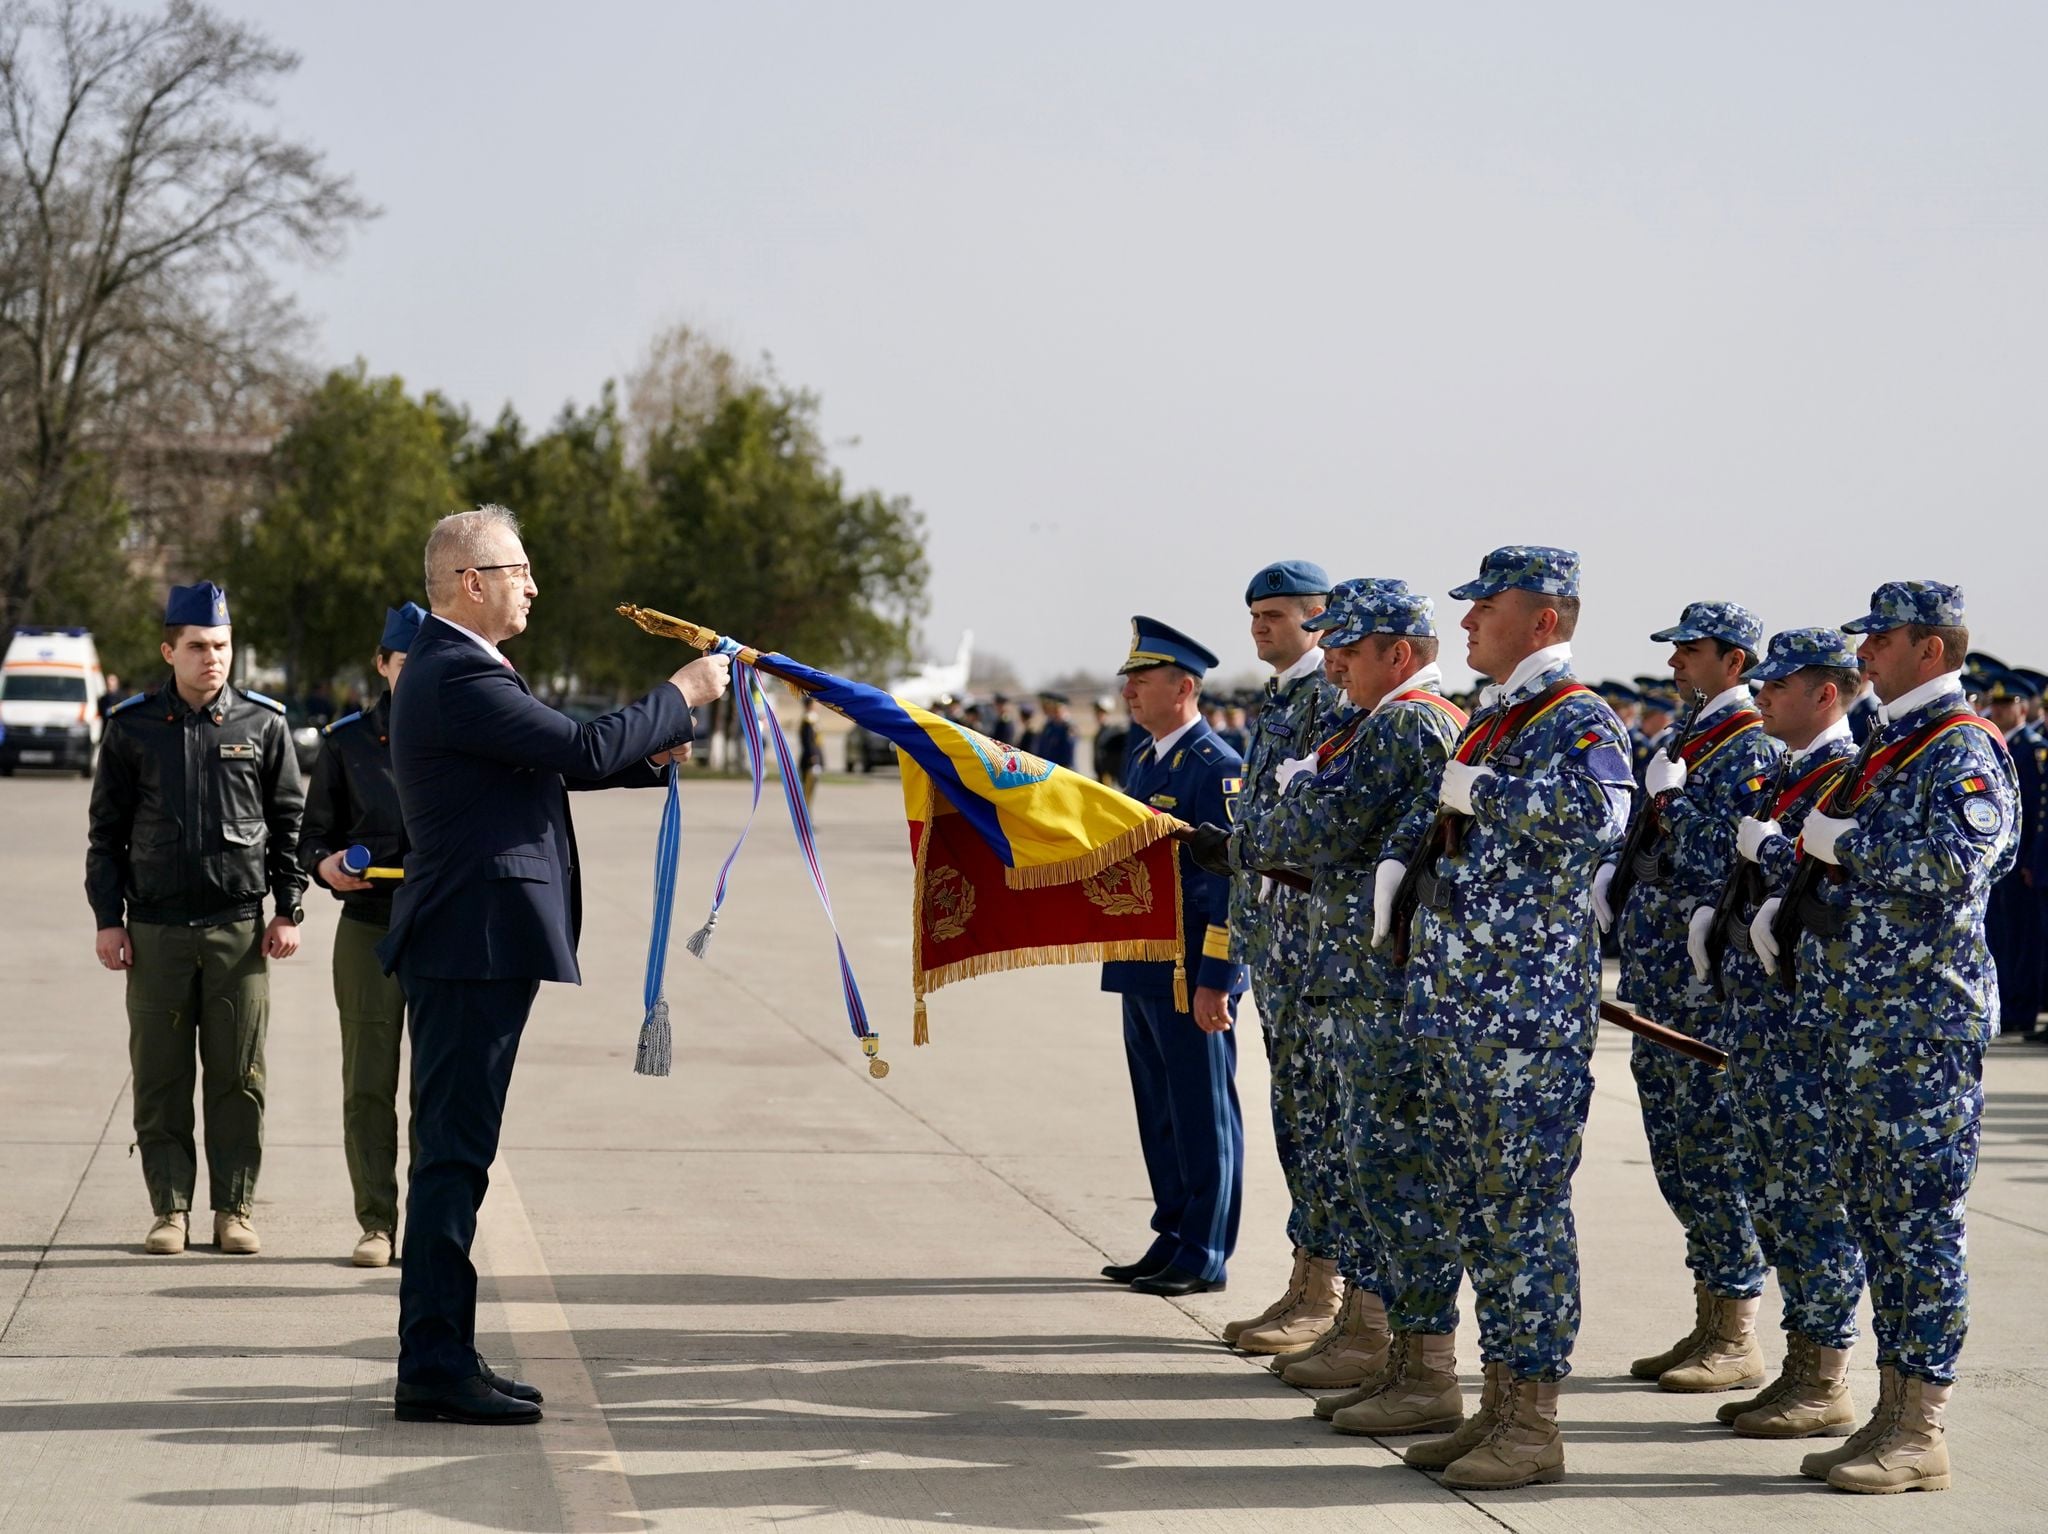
{"x":344,"y":719}
{"x":1209,"y":748}
{"x":127,"y":702}
{"x":270,"y":703}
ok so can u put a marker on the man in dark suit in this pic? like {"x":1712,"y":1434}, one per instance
{"x":491,"y":906}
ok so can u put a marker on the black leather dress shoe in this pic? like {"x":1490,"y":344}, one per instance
{"x":1124,"y":1272}
{"x":1174,"y":1282}
{"x":518,"y":1390}
{"x":471,"y":1400}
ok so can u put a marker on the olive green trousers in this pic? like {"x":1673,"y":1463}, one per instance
{"x":372,"y":1008}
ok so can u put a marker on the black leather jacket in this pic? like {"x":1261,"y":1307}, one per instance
{"x":195,"y":813}
{"x":354,"y":799}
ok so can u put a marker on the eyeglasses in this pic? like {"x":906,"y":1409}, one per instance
{"x":520,"y":571}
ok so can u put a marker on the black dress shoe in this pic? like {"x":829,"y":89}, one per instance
{"x":1124,"y":1272}
{"x":518,"y":1390}
{"x":1174,"y":1282}
{"x":471,"y":1400}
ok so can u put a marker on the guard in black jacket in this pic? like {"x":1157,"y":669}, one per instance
{"x":353,"y":803}
{"x":195,"y":816}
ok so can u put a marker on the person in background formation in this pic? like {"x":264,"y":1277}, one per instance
{"x":1106,"y":747}
{"x":353,"y":802}
{"x":1055,"y":740}
{"x":1183,"y":1061}
{"x":1235,"y":732}
{"x":810,"y":754}
{"x":2012,"y":918}
{"x":195,"y":817}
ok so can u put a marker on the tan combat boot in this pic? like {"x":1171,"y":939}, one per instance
{"x":1299,"y":1326}
{"x":233,"y":1233}
{"x":1817,"y":1467}
{"x":1728,"y":1358}
{"x":1232,"y":1330}
{"x":1787,"y":1377}
{"x":1420,"y":1395}
{"x":1524,"y":1447}
{"x":373,"y":1250}
{"x":1354,"y":1350}
{"x":1913,"y":1455}
{"x":1650,"y":1368}
{"x":1440,"y":1453}
{"x":1816,"y":1405}
{"x":1327,"y":1407}
{"x":166,"y":1237}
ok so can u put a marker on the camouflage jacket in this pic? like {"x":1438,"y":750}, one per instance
{"x":1269,"y":928}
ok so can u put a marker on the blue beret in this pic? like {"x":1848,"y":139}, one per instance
{"x":204,"y":606}
{"x":1158,"y":644}
{"x":1796,"y":649}
{"x":1523,"y":567}
{"x":1729,"y":622}
{"x":1898,"y":603}
{"x":401,"y":626}
{"x":1288,"y":578}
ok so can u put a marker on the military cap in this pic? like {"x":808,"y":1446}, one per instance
{"x":2007,"y":686}
{"x":1052,"y":697}
{"x":1159,"y":644}
{"x":1729,"y":622}
{"x":1523,"y":567}
{"x":1288,"y":578}
{"x":1795,"y":649}
{"x":2038,"y":678}
{"x":1367,"y":611}
{"x":1618,"y":692}
{"x":1345,"y":591}
{"x":401,"y":626}
{"x":1984,"y":663}
{"x":204,"y":606}
{"x":1896,"y":604}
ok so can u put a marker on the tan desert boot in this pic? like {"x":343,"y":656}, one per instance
{"x":1817,"y":1467}
{"x":1327,"y":1407}
{"x":1817,"y":1404}
{"x":373,"y":1250}
{"x":233,"y":1233}
{"x":1524,"y":1447}
{"x":1913,"y":1455}
{"x":1355,"y":1349}
{"x":1787,"y":1377}
{"x":1421,"y":1394}
{"x":1649,"y":1368}
{"x":1440,"y":1453}
{"x":1303,"y":1322}
{"x":1728,"y":1358}
{"x":166,"y":1237}
{"x":1232,"y":1330}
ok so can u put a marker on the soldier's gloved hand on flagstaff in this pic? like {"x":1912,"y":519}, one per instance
{"x":1386,"y":882}
{"x":1603,"y":913}
{"x":1663,"y":775}
{"x":1820,"y":833}
{"x":1292,"y":768}
{"x":1751,"y":834}
{"x":1209,"y":846}
{"x":1455,"y":792}
{"x":1696,"y":941}
{"x":1760,"y":938}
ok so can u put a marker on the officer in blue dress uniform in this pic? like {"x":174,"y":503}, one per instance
{"x":2012,"y":920}
{"x":1181,"y":1050}
{"x":1055,"y":740}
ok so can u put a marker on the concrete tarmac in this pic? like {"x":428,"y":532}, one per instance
{"x":769,"y":1289}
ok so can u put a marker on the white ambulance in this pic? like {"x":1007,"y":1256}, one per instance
{"x":50,"y":690}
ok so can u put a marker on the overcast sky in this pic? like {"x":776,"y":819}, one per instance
{"x":1744,"y":302}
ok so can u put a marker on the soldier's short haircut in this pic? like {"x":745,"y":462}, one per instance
{"x":1566,"y":608}
{"x":1724,"y":649}
{"x":1422,"y":646}
{"x":1955,"y":641}
{"x":459,"y":542}
{"x":1847,"y":679}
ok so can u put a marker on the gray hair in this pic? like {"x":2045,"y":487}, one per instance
{"x":459,"y":542}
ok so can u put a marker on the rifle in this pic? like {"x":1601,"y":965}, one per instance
{"x":1645,"y":837}
{"x":1810,"y":871}
{"x":1743,"y":888}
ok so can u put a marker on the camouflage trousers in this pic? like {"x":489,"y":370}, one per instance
{"x":1702,"y":1166}
{"x":1400,"y":1221}
{"x":1907,"y":1115}
{"x":1507,"y":1132}
{"x":1795,"y":1196}
{"x":1303,"y":1103}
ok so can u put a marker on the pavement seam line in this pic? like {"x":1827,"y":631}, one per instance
{"x":91,"y":1160}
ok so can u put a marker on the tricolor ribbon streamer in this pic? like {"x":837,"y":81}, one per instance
{"x":656,"y":1049}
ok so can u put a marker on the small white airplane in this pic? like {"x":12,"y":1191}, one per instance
{"x":934,"y":680}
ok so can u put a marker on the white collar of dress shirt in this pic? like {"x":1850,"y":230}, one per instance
{"x":1921,"y":696}
{"x":1423,"y":678}
{"x":1839,"y":730}
{"x":1532,"y":666}
{"x":1312,"y":661}
{"x":1161,"y":744}
{"x":489,"y":649}
{"x":1739,"y":694}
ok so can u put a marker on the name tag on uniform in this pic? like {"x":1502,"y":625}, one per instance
{"x":1284,"y":731}
{"x":1511,"y":761}
{"x":238,"y":751}
{"x":1164,"y":801}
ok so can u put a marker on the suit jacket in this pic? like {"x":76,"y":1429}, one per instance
{"x":492,"y":891}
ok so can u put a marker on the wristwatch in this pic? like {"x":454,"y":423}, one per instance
{"x":296,"y":915}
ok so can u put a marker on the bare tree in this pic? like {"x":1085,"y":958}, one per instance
{"x":679,"y":384}
{"x":141,"y":196}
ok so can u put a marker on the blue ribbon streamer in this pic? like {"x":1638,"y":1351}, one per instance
{"x":656,"y":1050}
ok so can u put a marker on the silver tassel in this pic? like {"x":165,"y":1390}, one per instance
{"x":655,"y":1054}
{"x":701,"y":938}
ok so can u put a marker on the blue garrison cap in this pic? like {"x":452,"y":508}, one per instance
{"x":1523,"y":567}
{"x":1796,"y":649}
{"x":1898,"y":603}
{"x":401,"y":624}
{"x":1158,"y":644}
{"x":2008,"y":685}
{"x":1288,"y":578}
{"x":204,"y":606}
{"x":1729,"y":622}
{"x":1398,"y":611}
{"x":1346,"y":591}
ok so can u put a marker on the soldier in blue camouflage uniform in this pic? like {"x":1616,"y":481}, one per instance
{"x":1503,"y":988}
{"x":1900,"y":980}
{"x":1269,"y":933}
{"x":1332,"y":824}
{"x":1694,"y":792}
{"x":1775,"y":1071}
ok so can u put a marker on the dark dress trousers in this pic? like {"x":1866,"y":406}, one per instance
{"x":491,"y":906}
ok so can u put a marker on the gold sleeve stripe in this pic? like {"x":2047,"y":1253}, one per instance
{"x":1216,"y":943}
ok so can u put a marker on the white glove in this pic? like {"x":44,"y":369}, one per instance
{"x":1662,"y":775}
{"x":1821,"y":832}
{"x":1455,"y":792}
{"x":1760,"y":937}
{"x":1386,"y":879}
{"x":1602,"y":912}
{"x":1292,"y":768}
{"x":1751,"y":834}
{"x":1696,"y":941}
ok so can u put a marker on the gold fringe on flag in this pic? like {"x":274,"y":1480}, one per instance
{"x":1124,"y":845}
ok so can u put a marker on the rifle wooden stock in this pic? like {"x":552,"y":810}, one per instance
{"x":1684,"y":1043}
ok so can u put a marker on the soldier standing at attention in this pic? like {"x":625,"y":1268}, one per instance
{"x":195,"y":816}
{"x":1893,"y":935}
{"x":1503,"y":992}
{"x":1106,"y":749}
{"x":353,"y":802}
{"x":1055,"y":741}
{"x":2012,"y":920}
{"x":1694,"y":792}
